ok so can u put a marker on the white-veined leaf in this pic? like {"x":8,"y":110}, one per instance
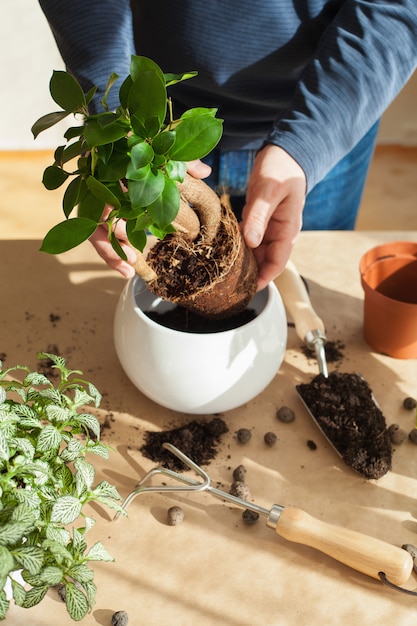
{"x":30,"y":558}
{"x":66,"y":510}
{"x":77,"y":605}
{"x":98,"y":552}
{"x":49,"y":439}
{"x":85,"y":475}
{"x":58,"y":413}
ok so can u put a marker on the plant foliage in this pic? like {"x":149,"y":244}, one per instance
{"x":128,"y":159}
{"x":45,"y":483}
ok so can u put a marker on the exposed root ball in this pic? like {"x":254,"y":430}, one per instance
{"x":215,"y":280}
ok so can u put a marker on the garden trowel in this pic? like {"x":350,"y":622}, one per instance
{"x":348,"y":429}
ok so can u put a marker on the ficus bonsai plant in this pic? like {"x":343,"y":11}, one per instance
{"x":133,"y":160}
{"x":45,"y":483}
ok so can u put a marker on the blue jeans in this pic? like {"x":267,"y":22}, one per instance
{"x":332,"y":204}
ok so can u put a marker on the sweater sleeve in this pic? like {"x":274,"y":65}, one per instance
{"x":92,"y":59}
{"x":365,"y":57}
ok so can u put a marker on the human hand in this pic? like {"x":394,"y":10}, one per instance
{"x":103,"y":247}
{"x":272,"y":216}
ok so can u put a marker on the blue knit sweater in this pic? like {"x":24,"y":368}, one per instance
{"x":311,"y":76}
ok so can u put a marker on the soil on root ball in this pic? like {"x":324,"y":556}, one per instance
{"x":214,"y":279}
{"x":344,"y":408}
{"x":197,"y":440}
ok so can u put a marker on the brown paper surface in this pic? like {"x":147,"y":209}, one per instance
{"x":213,"y":569}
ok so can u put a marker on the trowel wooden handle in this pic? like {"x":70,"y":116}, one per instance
{"x":361,"y":552}
{"x":297,"y":301}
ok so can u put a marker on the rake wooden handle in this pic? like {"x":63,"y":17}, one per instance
{"x":297,"y":302}
{"x":361,"y":552}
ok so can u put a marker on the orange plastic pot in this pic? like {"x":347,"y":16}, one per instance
{"x":389,"y":280}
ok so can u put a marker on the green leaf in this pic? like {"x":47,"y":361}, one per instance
{"x":19,"y":593}
{"x":67,"y":235}
{"x":136,"y":237}
{"x":163,"y":142}
{"x":176,"y":170}
{"x":4,"y":605}
{"x":49,"y":439}
{"x":66,"y":510}
{"x":102,"y":192}
{"x":57,"y":413}
{"x":7,"y":562}
{"x":110,"y":82}
{"x":24,"y":446}
{"x":141,"y":154}
{"x":77,"y":605}
{"x":58,"y":534}
{"x":70,"y":152}
{"x":144,"y":192}
{"x":106,"y":490}
{"x":72,"y":195}
{"x":165,"y":208}
{"x":115,"y":243}
{"x":72,"y":450}
{"x":66,"y":91}
{"x":196,"y":137}
{"x":95,"y":135}
{"x":90,"y":206}
{"x":12,"y":532}
{"x":82,"y":573}
{"x":54,"y":177}
{"x":98,"y":553}
{"x":35,"y":595}
{"x":51,"y":575}
{"x":114,"y":169}
{"x":148,"y":98}
{"x":4,"y":447}
{"x":85,"y":476}
{"x":90,"y":422}
{"x":172,"y":79}
{"x":29,"y":558}
{"x":140,"y":64}
{"x":48,"y":120}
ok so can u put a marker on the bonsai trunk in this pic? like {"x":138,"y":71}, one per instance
{"x":208,"y":270}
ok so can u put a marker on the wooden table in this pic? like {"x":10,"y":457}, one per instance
{"x":213,"y":569}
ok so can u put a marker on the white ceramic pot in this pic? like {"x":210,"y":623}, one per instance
{"x":193,"y":372}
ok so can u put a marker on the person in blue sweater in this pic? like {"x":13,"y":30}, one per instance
{"x":301,"y":86}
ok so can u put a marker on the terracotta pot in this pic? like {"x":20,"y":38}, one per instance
{"x":389,"y":279}
{"x":194,"y":372}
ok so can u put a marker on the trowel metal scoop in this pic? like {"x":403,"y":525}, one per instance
{"x":365,"y":554}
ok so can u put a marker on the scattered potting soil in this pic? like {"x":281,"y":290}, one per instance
{"x":334,"y":351}
{"x":344,"y":408}
{"x":197,"y":440}
{"x":179,"y":318}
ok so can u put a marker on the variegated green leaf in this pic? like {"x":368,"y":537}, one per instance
{"x":77,"y":604}
{"x":66,"y":510}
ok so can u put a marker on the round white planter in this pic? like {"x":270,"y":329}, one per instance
{"x":193,"y":372}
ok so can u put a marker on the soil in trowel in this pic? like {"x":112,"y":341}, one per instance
{"x":197,"y":440}
{"x":344,"y":407}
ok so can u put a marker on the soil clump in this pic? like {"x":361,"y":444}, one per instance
{"x":197,"y":440}
{"x":344,"y":408}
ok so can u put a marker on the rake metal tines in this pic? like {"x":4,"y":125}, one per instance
{"x":189,"y":484}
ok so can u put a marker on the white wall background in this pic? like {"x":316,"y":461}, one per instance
{"x":28,"y":55}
